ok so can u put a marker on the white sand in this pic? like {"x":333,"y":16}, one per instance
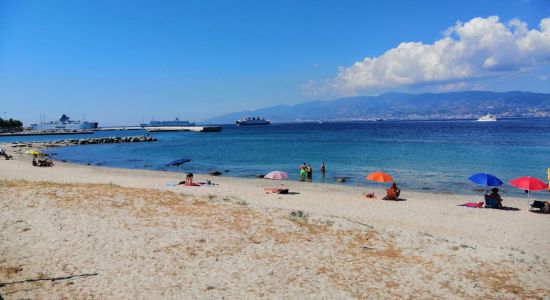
{"x":232,"y":240}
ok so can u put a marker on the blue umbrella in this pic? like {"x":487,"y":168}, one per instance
{"x":485,"y":179}
{"x":178,"y":162}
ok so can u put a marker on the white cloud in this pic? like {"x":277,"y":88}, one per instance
{"x":479,"y":48}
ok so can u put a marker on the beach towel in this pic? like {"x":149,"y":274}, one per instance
{"x":473,"y":204}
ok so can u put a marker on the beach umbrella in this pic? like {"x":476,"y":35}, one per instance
{"x":379,"y":177}
{"x":33,"y":152}
{"x":485,"y":180}
{"x":178,"y":162}
{"x":276,"y":175}
{"x":529,"y":184}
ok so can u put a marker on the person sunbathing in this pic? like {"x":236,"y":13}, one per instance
{"x":189,"y":179}
{"x":496,"y":196}
{"x":43,"y":162}
{"x":396,"y":190}
{"x":4,"y":154}
{"x":275,"y":191}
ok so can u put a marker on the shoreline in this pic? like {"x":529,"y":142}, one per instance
{"x":472,"y":192}
{"x":372,"y":187}
{"x":233,"y":240}
{"x":163,"y":180}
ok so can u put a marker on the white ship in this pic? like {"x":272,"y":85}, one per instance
{"x":64,"y":124}
{"x":253,"y":121}
{"x":487,"y":118}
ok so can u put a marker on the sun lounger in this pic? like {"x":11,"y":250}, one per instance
{"x":543,"y":206}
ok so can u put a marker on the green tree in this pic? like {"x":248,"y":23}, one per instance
{"x":11,"y":123}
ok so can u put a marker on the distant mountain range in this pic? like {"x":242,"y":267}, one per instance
{"x":400,"y":106}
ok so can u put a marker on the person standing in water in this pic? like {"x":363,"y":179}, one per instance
{"x":323,"y":169}
{"x":309,"y":173}
{"x":303,"y":171}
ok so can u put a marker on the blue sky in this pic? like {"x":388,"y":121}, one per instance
{"x":119,"y":62}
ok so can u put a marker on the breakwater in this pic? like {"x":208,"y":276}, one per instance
{"x":88,"y":141}
{"x":108,"y":140}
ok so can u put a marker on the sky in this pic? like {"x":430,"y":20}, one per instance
{"x":122,"y":62}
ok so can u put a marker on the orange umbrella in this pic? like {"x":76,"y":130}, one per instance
{"x":379,"y":177}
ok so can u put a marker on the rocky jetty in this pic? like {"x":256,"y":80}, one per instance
{"x":89,"y":141}
{"x":108,"y":140}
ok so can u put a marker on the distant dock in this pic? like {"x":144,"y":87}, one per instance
{"x":119,"y":128}
{"x":188,"y":128}
{"x":166,"y":128}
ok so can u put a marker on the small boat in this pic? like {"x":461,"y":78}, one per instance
{"x":487,"y":118}
{"x":253,"y":121}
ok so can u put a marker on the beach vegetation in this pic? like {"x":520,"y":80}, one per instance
{"x":10,"y":124}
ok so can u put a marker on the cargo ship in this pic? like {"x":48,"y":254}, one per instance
{"x":252,"y":121}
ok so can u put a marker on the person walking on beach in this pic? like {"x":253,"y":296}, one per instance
{"x":323,"y":169}
{"x":309,"y":173}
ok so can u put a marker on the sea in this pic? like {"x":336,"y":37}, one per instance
{"x":433,"y":156}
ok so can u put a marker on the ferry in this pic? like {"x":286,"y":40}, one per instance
{"x":64,"y":124}
{"x":252,"y":121}
{"x":175,"y":123}
{"x":487,"y":118}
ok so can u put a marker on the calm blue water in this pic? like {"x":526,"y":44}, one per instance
{"x":437,"y":155}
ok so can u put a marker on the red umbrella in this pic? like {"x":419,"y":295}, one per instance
{"x":529,"y":183}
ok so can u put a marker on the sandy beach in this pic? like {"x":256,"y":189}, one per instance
{"x":134,"y":234}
